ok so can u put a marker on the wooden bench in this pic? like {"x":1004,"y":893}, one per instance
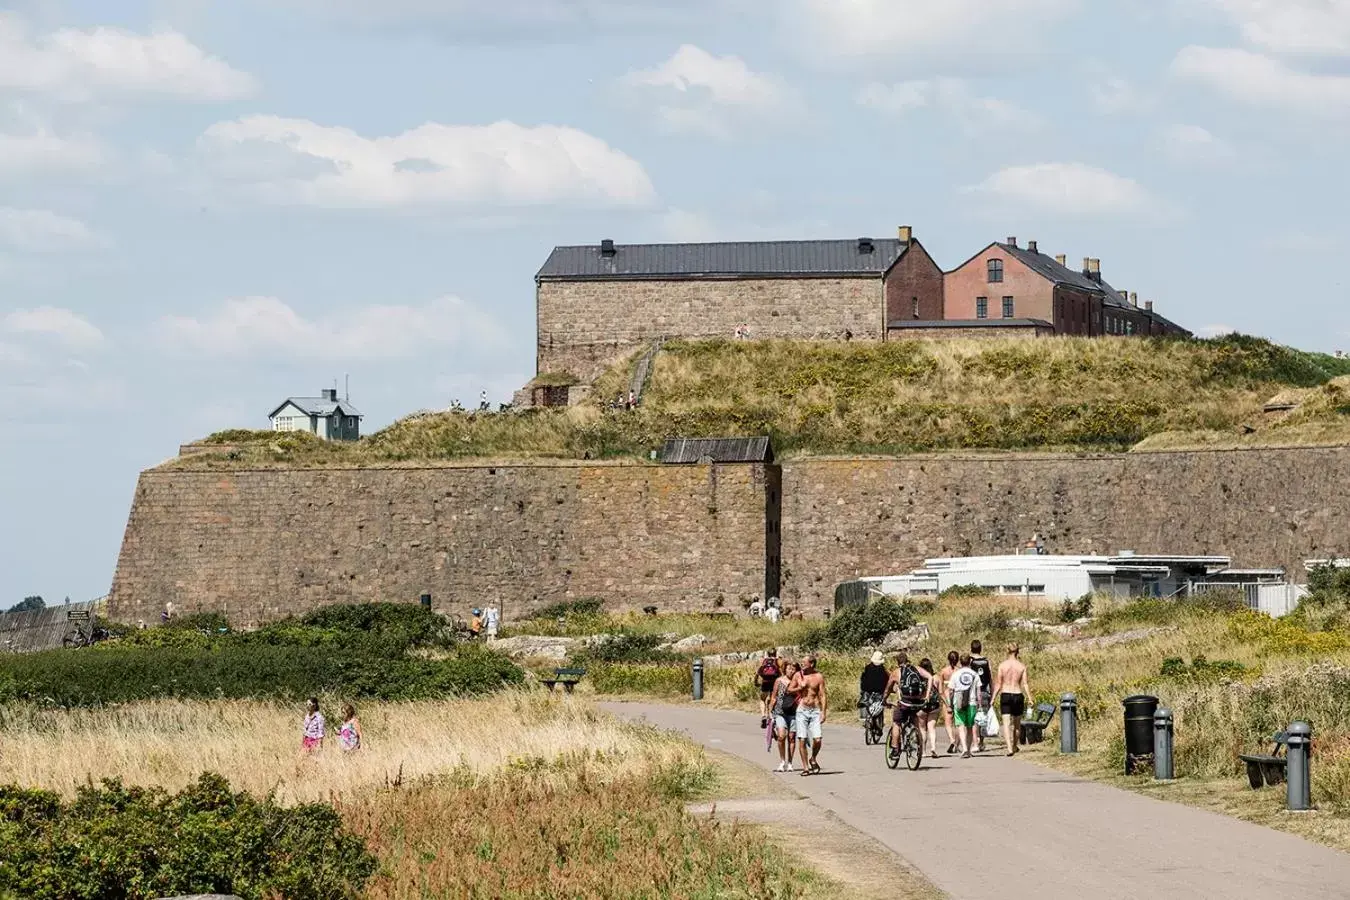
{"x":568,"y":678}
{"x":1033,"y":729}
{"x":1263,"y":770}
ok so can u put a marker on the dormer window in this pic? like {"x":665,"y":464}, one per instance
{"x":995,"y":271}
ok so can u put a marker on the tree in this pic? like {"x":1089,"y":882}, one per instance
{"x":29,"y":603}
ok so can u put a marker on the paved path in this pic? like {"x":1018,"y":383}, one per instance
{"x":1071,"y":839}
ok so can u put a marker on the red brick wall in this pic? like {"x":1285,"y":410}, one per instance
{"x":1076,"y":311}
{"x":914,"y":277}
{"x":1032,"y":295}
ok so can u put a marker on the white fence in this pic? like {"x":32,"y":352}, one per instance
{"x":1272,"y":599}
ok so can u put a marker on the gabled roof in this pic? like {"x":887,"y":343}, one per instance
{"x":768,"y":259}
{"x":683,"y":451}
{"x":317,"y":406}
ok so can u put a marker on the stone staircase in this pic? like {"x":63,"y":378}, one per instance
{"x":643,"y":370}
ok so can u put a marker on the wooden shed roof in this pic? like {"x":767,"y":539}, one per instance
{"x":686,"y":451}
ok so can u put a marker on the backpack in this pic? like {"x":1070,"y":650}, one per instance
{"x":768,"y":671}
{"x":982,"y":668}
{"x":912,"y":686}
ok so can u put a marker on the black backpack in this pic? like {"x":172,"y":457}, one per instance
{"x":913,"y":686}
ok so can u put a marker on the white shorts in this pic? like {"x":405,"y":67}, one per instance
{"x":784,"y":724}
{"x":808,"y":723}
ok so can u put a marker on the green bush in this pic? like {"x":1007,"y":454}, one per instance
{"x":118,"y":843}
{"x":858,"y":626}
{"x":588,"y":607}
{"x":1073,"y":610}
{"x":1202,"y":669}
{"x":957,"y":591}
{"x":627,"y":647}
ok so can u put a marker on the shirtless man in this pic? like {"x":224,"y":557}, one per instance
{"x":812,"y":707}
{"x":1010,"y":687}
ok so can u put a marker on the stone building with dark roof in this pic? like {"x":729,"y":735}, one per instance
{"x":599,"y":303}
{"x":1010,"y":285}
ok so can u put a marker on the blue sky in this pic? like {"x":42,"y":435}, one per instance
{"x":208,"y":206}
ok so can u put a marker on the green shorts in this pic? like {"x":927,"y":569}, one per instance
{"x":965,"y":716}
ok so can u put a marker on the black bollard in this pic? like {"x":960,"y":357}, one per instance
{"x":1298,"y":782}
{"x":698,"y":679}
{"x":1163,"y":769}
{"x":1068,"y":724}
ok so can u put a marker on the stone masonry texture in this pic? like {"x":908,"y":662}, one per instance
{"x":258,"y":545}
{"x":585,"y":326}
{"x":848,"y":518}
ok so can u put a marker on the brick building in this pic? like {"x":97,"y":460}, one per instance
{"x":598,"y":303}
{"x":1020,"y":289}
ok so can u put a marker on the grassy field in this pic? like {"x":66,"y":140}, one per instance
{"x":519,"y":795}
{"x":900,"y":397}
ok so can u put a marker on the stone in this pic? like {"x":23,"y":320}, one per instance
{"x":535,"y":647}
{"x":908,"y":639}
{"x":1111,"y":640}
{"x":690,"y":644}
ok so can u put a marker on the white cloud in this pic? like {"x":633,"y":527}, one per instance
{"x":265,"y":326}
{"x":1259,"y":80}
{"x":66,"y":328}
{"x":1116,"y":96}
{"x":77,"y":64}
{"x":953,"y":97}
{"x":1194,"y":144}
{"x":300,"y":162}
{"x":697,"y":91}
{"x":1320,"y":27}
{"x":895,"y":30}
{"x":42,"y":230}
{"x":43,"y":151}
{"x":1067,"y":189}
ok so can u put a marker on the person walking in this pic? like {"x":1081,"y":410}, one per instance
{"x":944,"y":678}
{"x":980,"y":664}
{"x":813,"y":707}
{"x":349,"y":733}
{"x":963,"y":691}
{"x":785,"y":717}
{"x":312,"y":733}
{"x":768,"y":672}
{"x":492,"y":620}
{"x":931,"y":712}
{"x":476,"y":624}
{"x":1010,"y":686}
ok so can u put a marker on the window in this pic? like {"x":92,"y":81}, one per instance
{"x":1008,"y":307}
{"x":995,"y":271}
{"x":916,"y":307}
{"x":981,"y":307}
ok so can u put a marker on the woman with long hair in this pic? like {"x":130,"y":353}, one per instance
{"x":784,"y":711}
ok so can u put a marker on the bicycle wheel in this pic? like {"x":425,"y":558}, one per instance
{"x":912,"y":747}
{"x":892,"y":759}
{"x":867,"y":733}
{"x":74,"y":638}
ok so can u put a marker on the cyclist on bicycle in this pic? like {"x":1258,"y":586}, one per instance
{"x":872,"y":684}
{"x":914,"y":686}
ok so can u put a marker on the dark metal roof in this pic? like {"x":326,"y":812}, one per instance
{"x":1049,"y":267}
{"x":317,"y":406}
{"x":683,"y":451}
{"x":770,"y":259}
{"x":970,"y":323}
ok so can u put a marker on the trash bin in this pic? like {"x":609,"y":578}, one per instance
{"x":1139,"y":711}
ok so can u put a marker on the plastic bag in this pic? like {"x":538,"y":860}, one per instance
{"x":991,"y":724}
{"x":980,"y":718}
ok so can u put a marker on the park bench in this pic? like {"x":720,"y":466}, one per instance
{"x":1270,"y":769}
{"x":1033,"y":728}
{"x":568,"y":678}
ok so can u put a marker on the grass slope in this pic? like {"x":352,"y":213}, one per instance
{"x":912,"y":396}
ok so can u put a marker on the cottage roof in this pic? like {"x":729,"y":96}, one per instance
{"x":770,"y":259}
{"x":317,"y":406}
{"x":682,"y":451}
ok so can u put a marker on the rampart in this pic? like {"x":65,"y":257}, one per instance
{"x":260,"y":544}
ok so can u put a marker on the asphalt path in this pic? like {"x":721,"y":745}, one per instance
{"x":995,"y":828}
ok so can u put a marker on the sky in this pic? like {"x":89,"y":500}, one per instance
{"x":206,"y":207}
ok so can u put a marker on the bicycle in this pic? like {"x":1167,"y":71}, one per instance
{"x":911,"y":744}
{"x":874,"y":725}
{"x":85,"y":632}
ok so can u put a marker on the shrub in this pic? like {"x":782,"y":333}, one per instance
{"x":1202,"y":669}
{"x":1073,"y":610}
{"x":627,"y":647}
{"x":857,"y":626}
{"x":958,"y":591}
{"x":116,"y":842}
{"x":588,"y":606}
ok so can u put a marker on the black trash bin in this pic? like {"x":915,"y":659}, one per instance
{"x":1139,"y":711}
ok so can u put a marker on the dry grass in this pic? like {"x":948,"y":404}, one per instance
{"x":908,"y":396}
{"x":256,"y":745}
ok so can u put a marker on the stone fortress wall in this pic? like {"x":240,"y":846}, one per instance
{"x":258,"y":545}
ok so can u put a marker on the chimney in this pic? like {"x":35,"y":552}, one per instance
{"x":1134,"y":300}
{"x":865,"y":245}
{"x":906,"y":234}
{"x":1095,"y":270}
{"x":607,"y":247}
{"x":1012,"y":241}
{"x":1087,"y":266}
{"x":1062,"y":259}
{"x":1031,"y":245}
{"x":330,"y":394}
{"x":1148,"y":305}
